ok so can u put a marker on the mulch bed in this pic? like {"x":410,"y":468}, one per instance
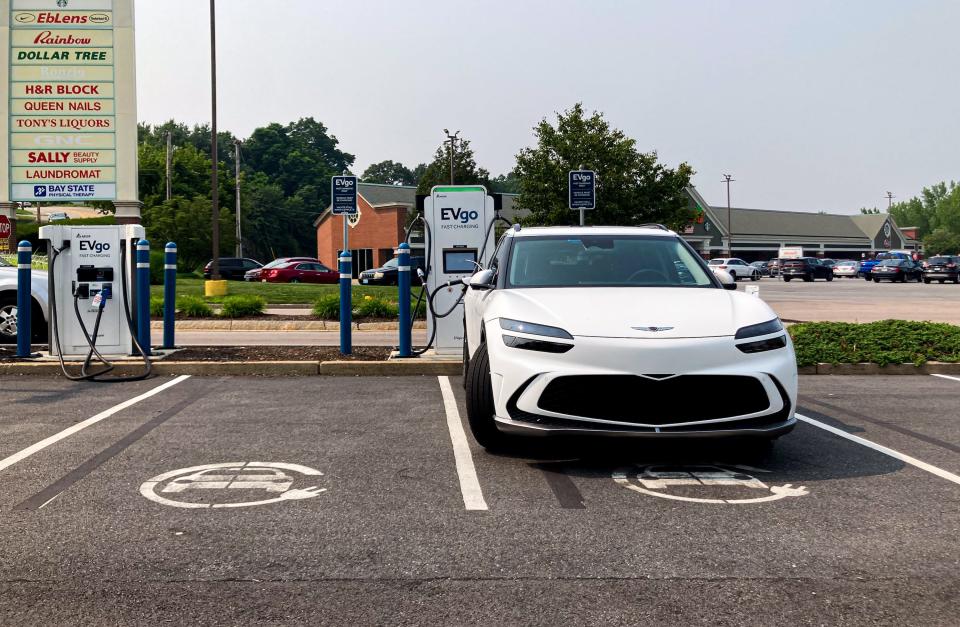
{"x":279,"y":353}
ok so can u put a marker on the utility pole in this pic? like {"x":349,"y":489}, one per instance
{"x":729,"y":179}
{"x":169,"y":165}
{"x":890,"y":198}
{"x":214,"y":183}
{"x":453,"y":146}
{"x":236,"y":159}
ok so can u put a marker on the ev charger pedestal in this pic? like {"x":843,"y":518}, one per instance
{"x":90,"y":263}
{"x":458,"y":216}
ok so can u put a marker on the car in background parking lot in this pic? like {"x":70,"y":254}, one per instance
{"x":774,"y":266}
{"x":254,"y":274}
{"x":8,"y":304}
{"x":232,"y":268}
{"x":941,"y":268}
{"x":387,"y":274}
{"x":892,"y":270}
{"x":847,"y":269}
{"x":866,"y":266}
{"x":762,"y":266}
{"x":806,"y":268}
{"x":59,"y":216}
{"x":738,"y":268}
{"x":300,"y":272}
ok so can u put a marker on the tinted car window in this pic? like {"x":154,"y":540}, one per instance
{"x":229,"y":262}
{"x":940,"y":260}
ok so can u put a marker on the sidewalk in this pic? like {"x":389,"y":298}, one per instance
{"x":288,"y":338}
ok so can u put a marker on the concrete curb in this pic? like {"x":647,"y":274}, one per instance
{"x":278,"y":325}
{"x":394,"y":367}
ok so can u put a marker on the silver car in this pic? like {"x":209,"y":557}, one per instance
{"x":847,"y":269}
{"x":8,"y":304}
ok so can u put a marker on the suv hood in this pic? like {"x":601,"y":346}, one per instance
{"x":678,"y":312}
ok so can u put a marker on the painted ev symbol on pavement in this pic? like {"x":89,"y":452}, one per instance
{"x":231,"y":485}
{"x":708,"y":483}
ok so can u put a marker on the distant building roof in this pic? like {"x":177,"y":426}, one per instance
{"x":765,"y":222}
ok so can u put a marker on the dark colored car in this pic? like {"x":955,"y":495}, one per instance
{"x":866,"y":266}
{"x":774,"y":266}
{"x":762,"y":266}
{"x":254,"y":275}
{"x":902,"y":270}
{"x":232,"y":268}
{"x":941,"y":268}
{"x":806,"y":268}
{"x":300,"y":272}
{"x":387,"y":274}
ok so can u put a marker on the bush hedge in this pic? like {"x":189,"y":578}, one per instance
{"x":328,"y":308}
{"x":242,"y":305}
{"x":883,"y":342}
{"x":194,"y":307}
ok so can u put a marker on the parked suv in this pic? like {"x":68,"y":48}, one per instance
{"x":232,"y":268}
{"x":941,"y":268}
{"x":806,"y":268}
{"x":738,"y":268}
{"x":388,"y":275}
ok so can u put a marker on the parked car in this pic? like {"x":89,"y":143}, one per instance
{"x":941,"y":268}
{"x":387,"y":274}
{"x":232,"y":268}
{"x":254,"y":274}
{"x":300,"y":272}
{"x":867,"y":265}
{"x":806,"y":268}
{"x":8,"y":304}
{"x":57,"y":217}
{"x":738,"y":268}
{"x":902,"y":270}
{"x":774,"y":266}
{"x":762,"y":266}
{"x":847,"y":268}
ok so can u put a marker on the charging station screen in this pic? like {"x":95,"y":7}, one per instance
{"x":460,"y":261}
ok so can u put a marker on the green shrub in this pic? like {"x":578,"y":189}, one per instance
{"x":194,"y":307}
{"x":156,"y":307}
{"x":371,"y":307}
{"x":156,"y":267}
{"x":883,"y":342}
{"x":242,"y":305}
{"x":327,"y":307}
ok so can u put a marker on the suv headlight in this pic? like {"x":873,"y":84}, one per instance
{"x":518,"y":326}
{"x":764,"y":328}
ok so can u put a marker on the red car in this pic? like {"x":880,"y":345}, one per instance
{"x":254,"y":275}
{"x":300,"y":272}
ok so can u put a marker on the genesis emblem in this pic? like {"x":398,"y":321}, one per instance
{"x":652,"y":329}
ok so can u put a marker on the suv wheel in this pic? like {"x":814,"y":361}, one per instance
{"x":480,"y":408}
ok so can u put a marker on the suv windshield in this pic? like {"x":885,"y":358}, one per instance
{"x":605,"y":261}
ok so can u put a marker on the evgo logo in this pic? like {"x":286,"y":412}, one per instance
{"x":458,"y":215}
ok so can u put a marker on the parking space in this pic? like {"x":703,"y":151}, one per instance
{"x":356,"y":500}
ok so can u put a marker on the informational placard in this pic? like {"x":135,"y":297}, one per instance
{"x":343,"y":193}
{"x":582,"y":185}
{"x":62,"y":111}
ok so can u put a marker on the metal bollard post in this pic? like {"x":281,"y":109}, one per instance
{"x":24,"y":301}
{"x":346,"y":304}
{"x":403,"y":299}
{"x":143,"y":295}
{"x":169,"y":293}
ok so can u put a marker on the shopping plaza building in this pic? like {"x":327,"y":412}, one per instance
{"x":750,"y":234}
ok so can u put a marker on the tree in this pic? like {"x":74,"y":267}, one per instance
{"x":506,"y":183}
{"x":942,"y":241}
{"x":186,"y":221}
{"x":388,"y":173}
{"x":870,"y":211}
{"x":632,"y":187}
{"x":465,"y":170}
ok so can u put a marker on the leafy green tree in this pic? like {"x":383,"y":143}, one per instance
{"x":388,"y":173}
{"x":506,"y":183}
{"x":632,"y":187}
{"x":186,"y":221}
{"x":870,"y":211}
{"x":942,"y":241}
{"x":465,"y":169}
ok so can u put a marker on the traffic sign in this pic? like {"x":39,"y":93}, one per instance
{"x":582,"y":186}
{"x":343,"y":193}
{"x":5,"y":228}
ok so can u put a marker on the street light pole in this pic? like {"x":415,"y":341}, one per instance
{"x":169,"y":165}
{"x":236,"y":159}
{"x":214,"y":176}
{"x":890,"y":198}
{"x":453,"y":146}
{"x":728,"y":179}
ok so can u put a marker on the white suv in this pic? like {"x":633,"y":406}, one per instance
{"x":8,"y":304}
{"x":619,"y":331}
{"x":738,"y":268}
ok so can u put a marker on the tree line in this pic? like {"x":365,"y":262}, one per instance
{"x":285,"y":175}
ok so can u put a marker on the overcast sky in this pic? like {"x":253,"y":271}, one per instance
{"x":810,"y":105}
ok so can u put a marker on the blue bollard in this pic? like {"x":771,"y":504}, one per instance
{"x":403,"y":298}
{"x":169,"y":293}
{"x":143,"y":295}
{"x":346,"y":304}
{"x":24,"y":302}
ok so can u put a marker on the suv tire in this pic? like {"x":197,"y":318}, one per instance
{"x":480,"y":407}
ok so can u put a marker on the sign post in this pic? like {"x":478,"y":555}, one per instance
{"x":582,"y":191}
{"x":343,"y":202}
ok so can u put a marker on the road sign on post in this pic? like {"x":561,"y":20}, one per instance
{"x":582,"y":191}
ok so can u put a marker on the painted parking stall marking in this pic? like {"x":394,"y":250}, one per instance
{"x":706,"y":483}
{"x":232,"y":485}
{"x":466,"y":471}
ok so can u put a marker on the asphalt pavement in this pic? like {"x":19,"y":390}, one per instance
{"x":328,"y":500}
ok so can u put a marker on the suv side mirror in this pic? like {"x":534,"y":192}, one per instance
{"x":726,"y":279}
{"x":482,"y":280}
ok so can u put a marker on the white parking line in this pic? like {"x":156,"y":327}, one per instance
{"x":945,"y":376}
{"x":943,"y":474}
{"x":466,"y":472}
{"x":53,"y":439}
